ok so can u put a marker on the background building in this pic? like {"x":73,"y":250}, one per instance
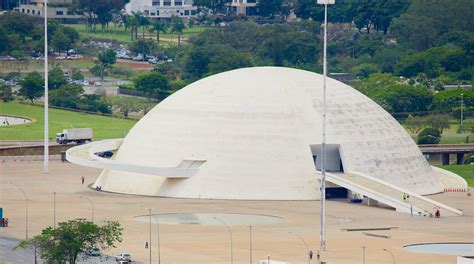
{"x":162,"y":8}
{"x":57,"y":9}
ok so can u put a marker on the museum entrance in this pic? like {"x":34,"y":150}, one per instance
{"x":333,"y":164}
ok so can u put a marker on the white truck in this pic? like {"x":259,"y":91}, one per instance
{"x":78,"y":135}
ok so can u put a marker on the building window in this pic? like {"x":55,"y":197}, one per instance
{"x":147,"y":12}
{"x":157,"y":12}
{"x":59,"y":13}
{"x":167,"y":3}
{"x":33,"y":11}
{"x":186,"y":12}
{"x":39,"y":13}
{"x":155,"y":3}
{"x":152,"y":14}
{"x":178,"y":3}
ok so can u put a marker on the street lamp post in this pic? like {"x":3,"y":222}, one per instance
{"x":92,"y":207}
{"x":323,"y":143}
{"x":250,"y":229}
{"x":158,"y":236}
{"x":26,"y":208}
{"x":305,"y":244}
{"x":231,"y":242}
{"x":149,"y":241}
{"x":462,"y":103}
{"x":54,"y":210}
{"x":363,"y":254}
{"x":393,"y":256}
{"x":46,"y":116}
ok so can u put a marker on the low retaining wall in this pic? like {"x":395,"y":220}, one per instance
{"x":33,"y":150}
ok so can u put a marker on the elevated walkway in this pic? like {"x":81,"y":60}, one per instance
{"x":389,"y":194}
{"x":86,"y":155}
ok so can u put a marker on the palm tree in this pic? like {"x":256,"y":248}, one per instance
{"x":159,"y":26}
{"x":142,"y":21}
{"x":178,"y":27}
{"x":132,"y":22}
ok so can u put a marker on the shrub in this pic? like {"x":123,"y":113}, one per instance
{"x":429,"y":136}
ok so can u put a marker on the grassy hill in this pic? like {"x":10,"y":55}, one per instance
{"x":465,"y":171}
{"x":103,"y":126}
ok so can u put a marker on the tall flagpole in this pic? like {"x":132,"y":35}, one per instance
{"x":323,"y":144}
{"x":46,"y":102}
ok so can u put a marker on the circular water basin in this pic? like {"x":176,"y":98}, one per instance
{"x":460,"y":249}
{"x":209,"y":219}
{"x":13,"y":120}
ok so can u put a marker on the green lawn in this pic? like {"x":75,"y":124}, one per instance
{"x":465,"y":171}
{"x":120,"y":35}
{"x":456,"y":139}
{"x":103,"y":126}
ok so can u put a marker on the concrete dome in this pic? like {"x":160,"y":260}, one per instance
{"x":258,"y":129}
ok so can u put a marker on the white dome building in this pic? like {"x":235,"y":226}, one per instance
{"x":255,"y":133}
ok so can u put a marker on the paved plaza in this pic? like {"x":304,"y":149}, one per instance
{"x":210,"y":243}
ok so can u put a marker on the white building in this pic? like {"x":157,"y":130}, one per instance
{"x":162,"y":8}
{"x":255,"y":133}
{"x":56,"y":8}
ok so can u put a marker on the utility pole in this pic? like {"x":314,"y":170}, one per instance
{"x":323,"y":144}
{"x":250,"y":229}
{"x":462,"y":104}
{"x":46,"y":116}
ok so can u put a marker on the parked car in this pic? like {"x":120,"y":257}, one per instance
{"x":139,"y":57}
{"x":153,"y":61}
{"x":95,"y":252}
{"x":123,"y":257}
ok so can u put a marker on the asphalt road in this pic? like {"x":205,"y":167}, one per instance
{"x":20,"y":256}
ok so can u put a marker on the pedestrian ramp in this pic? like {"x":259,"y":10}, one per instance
{"x":389,"y":194}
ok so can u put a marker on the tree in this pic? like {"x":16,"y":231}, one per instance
{"x":439,"y":122}
{"x":415,"y":123}
{"x":68,"y":96}
{"x":77,"y":75}
{"x":151,"y":83}
{"x":214,"y":5}
{"x":56,"y":78}
{"x":143,"y":46}
{"x":33,"y":243}
{"x":60,"y":41}
{"x":6,"y":94}
{"x":74,"y":236}
{"x":177,"y":26}
{"x":159,"y":26}
{"x":426,"y":21}
{"x":105,"y":60}
{"x":32,"y":87}
{"x":97,"y":11}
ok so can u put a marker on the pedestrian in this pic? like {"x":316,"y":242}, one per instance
{"x":82,"y":179}
{"x":310,"y":253}
{"x":318,"y":256}
{"x":146,"y":243}
{"x":6,"y":222}
{"x":437,"y":214}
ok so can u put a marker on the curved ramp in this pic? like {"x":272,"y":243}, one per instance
{"x":389,"y":194}
{"x":86,"y":155}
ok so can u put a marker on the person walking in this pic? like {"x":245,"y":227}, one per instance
{"x":146,"y":243}
{"x":82,"y":179}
